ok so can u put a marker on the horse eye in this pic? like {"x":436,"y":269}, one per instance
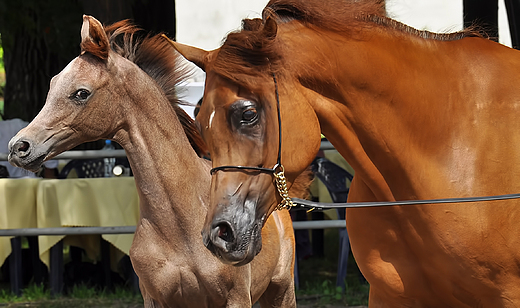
{"x":80,"y":95}
{"x":244,"y":114}
{"x":249,"y":115}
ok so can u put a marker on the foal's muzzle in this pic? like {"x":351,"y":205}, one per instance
{"x":22,"y":154}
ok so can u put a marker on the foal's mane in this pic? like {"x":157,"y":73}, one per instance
{"x":156,"y":57}
{"x":248,"y":52}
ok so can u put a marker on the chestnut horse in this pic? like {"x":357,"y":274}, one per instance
{"x":122,"y":87}
{"x":418,"y":115}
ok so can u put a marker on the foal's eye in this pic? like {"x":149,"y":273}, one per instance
{"x":80,"y":95}
{"x":249,"y":115}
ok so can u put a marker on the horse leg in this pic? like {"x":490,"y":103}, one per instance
{"x":241,"y":299}
{"x":150,"y":303}
{"x":279,"y":294}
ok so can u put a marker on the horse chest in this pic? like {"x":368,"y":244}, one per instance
{"x":450,"y":254}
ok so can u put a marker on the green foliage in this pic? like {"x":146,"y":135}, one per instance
{"x":32,"y":293}
{"x":7,"y":297}
{"x":83,"y":291}
{"x":80,"y":296}
{"x":35,"y":292}
{"x":2,"y":75}
{"x":318,"y":277}
{"x":327,"y":293}
{"x":2,"y":69}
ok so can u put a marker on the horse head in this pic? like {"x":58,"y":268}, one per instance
{"x":239,"y":121}
{"x":82,"y":96}
{"x":77,"y":91}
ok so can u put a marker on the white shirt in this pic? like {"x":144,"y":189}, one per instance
{"x":8,"y":129}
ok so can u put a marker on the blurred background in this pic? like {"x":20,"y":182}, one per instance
{"x":39,"y":37}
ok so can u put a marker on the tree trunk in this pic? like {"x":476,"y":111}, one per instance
{"x":29,"y":66}
{"x":40,"y":37}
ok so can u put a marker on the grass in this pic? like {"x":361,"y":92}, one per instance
{"x":80,"y":296}
{"x":318,"y":278}
{"x":317,"y":287}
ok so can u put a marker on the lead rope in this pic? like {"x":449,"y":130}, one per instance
{"x":281,"y":181}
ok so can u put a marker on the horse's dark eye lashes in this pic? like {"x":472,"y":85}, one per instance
{"x":249,"y":114}
{"x":80,"y":95}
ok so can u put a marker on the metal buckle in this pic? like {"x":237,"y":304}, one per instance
{"x":281,"y":185}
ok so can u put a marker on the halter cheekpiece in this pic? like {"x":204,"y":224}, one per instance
{"x":278,"y":170}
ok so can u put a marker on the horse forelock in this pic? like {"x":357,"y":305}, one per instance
{"x":157,"y":58}
{"x":247,"y":54}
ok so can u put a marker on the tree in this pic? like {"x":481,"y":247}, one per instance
{"x":36,"y":47}
{"x":40,"y":37}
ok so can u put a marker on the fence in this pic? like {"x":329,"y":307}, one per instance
{"x":90,"y":154}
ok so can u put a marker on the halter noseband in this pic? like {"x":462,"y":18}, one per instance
{"x":278,"y":170}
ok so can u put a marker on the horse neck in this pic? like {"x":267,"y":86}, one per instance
{"x":171,"y":179}
{"x":368,"y":84}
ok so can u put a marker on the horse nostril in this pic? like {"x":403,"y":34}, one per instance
{"x":225,"y":232}
{"x":22,"y":146}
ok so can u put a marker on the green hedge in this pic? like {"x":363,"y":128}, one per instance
{"x":1,"y":56}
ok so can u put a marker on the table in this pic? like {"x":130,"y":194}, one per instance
{"x":44,"y":203}
{"x":17,"y":208}
{"x":96,"y":202}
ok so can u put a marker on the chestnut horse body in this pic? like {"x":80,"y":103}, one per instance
{"x":418,"y":115}
{"x":101,"y":94}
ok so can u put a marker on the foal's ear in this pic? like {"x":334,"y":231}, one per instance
{"x":270,"y":28}
{"x":196,"y":55}
{"x":94,"y":39}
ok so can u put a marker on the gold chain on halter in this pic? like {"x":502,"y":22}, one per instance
{"x":281,"y":185}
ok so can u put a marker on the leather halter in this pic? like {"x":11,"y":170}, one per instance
{"x":277,"y":170}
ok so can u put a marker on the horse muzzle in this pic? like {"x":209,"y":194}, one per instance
{"x":23,"y":154}
{"x":234,"y":236}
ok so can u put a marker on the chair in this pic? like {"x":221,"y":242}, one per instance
{"x":4,"y":173}
{"x":335,"y":180}
{"x":85,"y":168}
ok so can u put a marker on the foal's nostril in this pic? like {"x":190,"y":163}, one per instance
{"x":22,"y":146}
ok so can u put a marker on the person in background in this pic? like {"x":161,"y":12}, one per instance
{"x":8,"y":129}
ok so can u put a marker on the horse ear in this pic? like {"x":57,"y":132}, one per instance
{"x":198,"y":56}
{"x":270,"y":28}
{"x":94,"y":39}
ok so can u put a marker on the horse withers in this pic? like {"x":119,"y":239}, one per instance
{"x":418,"y":115}
{"x":123,"y":87}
